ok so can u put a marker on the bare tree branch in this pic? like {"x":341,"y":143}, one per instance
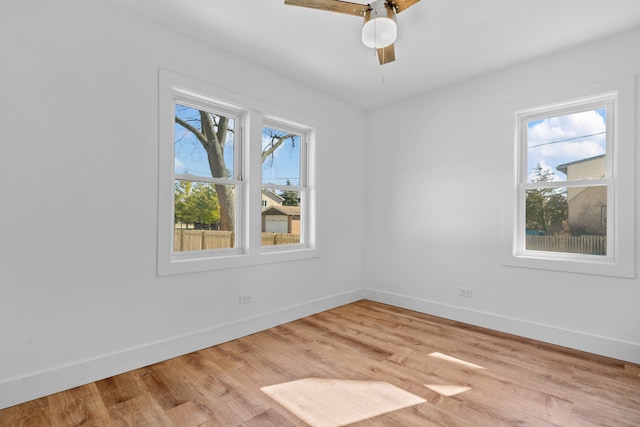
{"x":188,"y":126}
{"x":276,"y":141}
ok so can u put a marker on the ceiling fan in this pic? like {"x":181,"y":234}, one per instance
{"x":379,"y":29}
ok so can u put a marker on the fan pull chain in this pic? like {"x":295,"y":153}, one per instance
{"x":381,"y":67}
{"x":384,"y":54}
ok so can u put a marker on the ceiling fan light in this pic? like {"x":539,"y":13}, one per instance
{"x":379,"y":32}
{"x":379,"y":29}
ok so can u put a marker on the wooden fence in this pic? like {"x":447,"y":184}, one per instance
{"x":198,"y":240}
{"x":592,"y":245}
{"x":269,"y":239}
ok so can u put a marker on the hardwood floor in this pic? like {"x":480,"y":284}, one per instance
{"x":363,"y":364}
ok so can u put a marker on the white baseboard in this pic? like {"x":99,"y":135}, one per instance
{"x":621,"y":350}
{"x":24,"y":388}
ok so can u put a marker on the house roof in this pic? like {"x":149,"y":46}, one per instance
{"x":563,"y":167}
{"x":282,"y":210}
{"x":270,"y":194}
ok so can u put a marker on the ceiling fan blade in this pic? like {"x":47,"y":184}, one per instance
{"x":386,"y":54}
{"x":339,"y":6}
{"x":401,"y":5}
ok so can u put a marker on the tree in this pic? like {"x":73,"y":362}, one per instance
{"x":213,"y":132}
{"x":181,"y":194}
{"x":290,"y":197}
{"x":196,"y":203}
{"x":546,"y":208}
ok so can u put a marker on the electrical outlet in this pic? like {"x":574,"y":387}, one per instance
{"x":246,"y":298}
{"x":465,"y":292}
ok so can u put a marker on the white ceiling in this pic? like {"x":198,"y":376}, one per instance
{"x":439,"y":41}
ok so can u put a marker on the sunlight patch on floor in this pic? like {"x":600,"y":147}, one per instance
{"x":441,"y":356}
{"x":448,"y":389}
{"x":327,"y":402}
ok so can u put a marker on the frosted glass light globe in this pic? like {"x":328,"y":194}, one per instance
{"x":379,"y":32}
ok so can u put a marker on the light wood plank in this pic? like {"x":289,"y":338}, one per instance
{"x":481,"y":378}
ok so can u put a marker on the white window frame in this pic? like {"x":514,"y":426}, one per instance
{"x":251,"y":115}
{"x":302,"y":188}
{"x":189,"y":99}
{"x":619,"y":98}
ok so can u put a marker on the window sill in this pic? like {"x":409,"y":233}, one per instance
{"x":194,"y":263}
{"x":572,"y":263}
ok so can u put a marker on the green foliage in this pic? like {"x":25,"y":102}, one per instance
{"x":546,"y":208}
{"x":290,"y":197}
{"x":196,"y":203}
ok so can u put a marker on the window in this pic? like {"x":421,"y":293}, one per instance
{"x":208,"y":180}
{"x":567,"y":176}
{"x":236,"y":180}
{"x":284,"y":173}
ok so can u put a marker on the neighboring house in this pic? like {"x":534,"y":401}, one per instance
{"x":281,"y":219}
{"x":269,"y":198}
{"x":587,"y":206}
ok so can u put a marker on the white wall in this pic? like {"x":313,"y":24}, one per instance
{"x":78,"y":116}
{"x":79,"y":295}
{"x":440,"y":167}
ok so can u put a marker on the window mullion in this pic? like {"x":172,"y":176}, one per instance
{"x":252,"y":176}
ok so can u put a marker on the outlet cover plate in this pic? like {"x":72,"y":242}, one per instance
{"x":465,"y":292}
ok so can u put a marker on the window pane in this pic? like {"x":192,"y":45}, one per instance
{"x":198,"y":222}
{"x":280,"y":157}
{"x":567,"y":147}
{"x":193,"y":131}
{"x":567,"y":220}
{"x":280,"y":217}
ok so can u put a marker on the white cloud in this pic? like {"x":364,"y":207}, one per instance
{"x":558,"y":140}
{"x":564,"y":127}
{"x":583,"y":150}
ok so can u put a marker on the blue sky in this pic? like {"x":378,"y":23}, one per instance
{"x":284,"y":165}
{"x":190,"y":156}
{"x":563,"y":139}
{"x":551,"y":142}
